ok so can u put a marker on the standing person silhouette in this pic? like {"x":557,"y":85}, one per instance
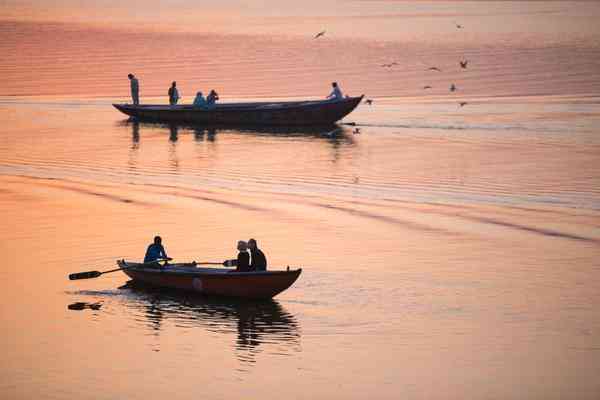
{"x":173,"y":94}
{"x":135,"y":89}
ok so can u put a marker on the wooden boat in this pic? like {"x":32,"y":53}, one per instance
{"x":284,"y":113}
{"x":212,"y":281}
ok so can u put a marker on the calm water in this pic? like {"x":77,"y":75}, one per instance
{"x":448,"y":252}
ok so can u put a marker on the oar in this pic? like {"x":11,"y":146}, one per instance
{"x":210,"y":263}
{"x":95,"y":274}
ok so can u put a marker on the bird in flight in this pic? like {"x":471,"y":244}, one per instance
{"x":390,"y":64}
{"x":318,"y":35}
{"x":452,"y":87}
{"x":462,"y":103}
{"x":426,"y":87}
{"x":434,"y":69}
{"x":458,"y":26}
{"x":369,"y":101}
{"x":333,"y":132}
{"x":463,"y":64}
{"x":356,"y":131}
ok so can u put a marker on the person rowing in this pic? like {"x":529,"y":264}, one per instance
{"x":242,"y":263}
{"x":155,"y":252}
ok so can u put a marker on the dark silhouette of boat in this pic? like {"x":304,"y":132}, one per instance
{"x":213,"y":281}
{"x":284,"y":113}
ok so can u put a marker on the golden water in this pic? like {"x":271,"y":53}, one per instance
{"x":448,"y":252}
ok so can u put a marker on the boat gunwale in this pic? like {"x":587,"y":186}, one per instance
{"x":179,"y":272}
{"x":248,"y":106}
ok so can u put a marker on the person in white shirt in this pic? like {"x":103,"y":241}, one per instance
{"x":336,"y":93}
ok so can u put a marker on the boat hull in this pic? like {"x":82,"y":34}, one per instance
{"x":296,"y":113}
{"x":213,"y":281}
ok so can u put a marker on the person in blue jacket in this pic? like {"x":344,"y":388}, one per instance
{"x":200,"y":101}
{"x":155,"y":251}
{"x":211,"y":99}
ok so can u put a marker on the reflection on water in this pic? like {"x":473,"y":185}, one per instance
{"x":478,"y":220}
{"x":200,"y":132}
{"x":135,"y":134}
{"x":256,"y":322}
{"x":173,"y":158}
{"x":174,"y":130}
{"x":335,"y":134}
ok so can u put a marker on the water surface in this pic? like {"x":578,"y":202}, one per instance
{"x":448,"y":252}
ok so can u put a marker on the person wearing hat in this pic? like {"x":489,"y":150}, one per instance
{"x":242,"y":263}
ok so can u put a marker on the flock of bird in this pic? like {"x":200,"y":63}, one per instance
{"x":463,"y":64}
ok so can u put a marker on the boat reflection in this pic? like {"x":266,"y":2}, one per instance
{"x":200,"y":133}
{"x":135,"y":135}
{"x":255,"y":322}
{"x":335,"y":134}
{"x":174,"y":132}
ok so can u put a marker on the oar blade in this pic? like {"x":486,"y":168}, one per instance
{"x":85,"y":275}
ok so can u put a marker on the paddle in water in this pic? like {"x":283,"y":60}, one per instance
{"x":95,"y":274}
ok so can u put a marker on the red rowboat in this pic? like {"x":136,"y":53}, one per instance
{"x":212,"y":281}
